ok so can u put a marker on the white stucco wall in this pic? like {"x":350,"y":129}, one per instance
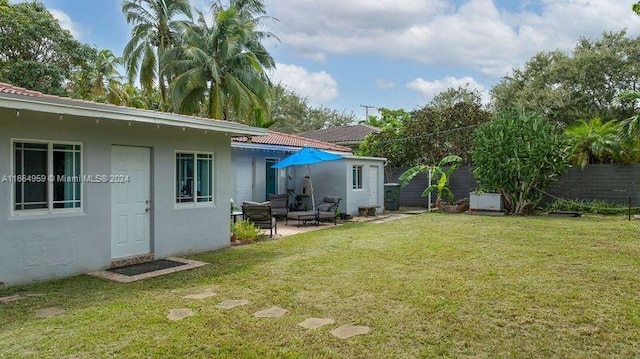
{"x":40,"y":247}
{"x":367,"y":195}
{"x":256,"y":160}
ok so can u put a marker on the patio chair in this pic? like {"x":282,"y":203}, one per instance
{"x":262,"y":216}
{"x":327,"y":208}
{"x":279,"y":204}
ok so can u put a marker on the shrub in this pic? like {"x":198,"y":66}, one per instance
{"x":244,"y":230}
{"x":586,"y":206}
{"x":518,"y":154}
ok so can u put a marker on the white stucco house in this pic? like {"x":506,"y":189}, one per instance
{"x":357,"y":180}
{"x":86,"y":186}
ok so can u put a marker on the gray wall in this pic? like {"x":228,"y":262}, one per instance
{"x":610,"y":183}
{"x":39,"y":247}
{"x":461,"y":182}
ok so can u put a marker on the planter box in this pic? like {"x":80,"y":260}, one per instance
{"x":485,"y":201}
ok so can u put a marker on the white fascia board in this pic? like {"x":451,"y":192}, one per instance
{"x":118,"y":113}
{"x":356,"y":157}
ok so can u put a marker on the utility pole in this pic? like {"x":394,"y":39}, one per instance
{"x":366,"y":112}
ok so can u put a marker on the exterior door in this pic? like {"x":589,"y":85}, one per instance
{"x":244,"y":179}
{"x":373,"y":185}
{"x":271,"y":177}
{"x":130,"y":201}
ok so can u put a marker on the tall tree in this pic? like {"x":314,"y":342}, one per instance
{"x":222,"y":65}
{"x":100,"y":81}
{"x":35,"y":52}
{"x":292,"y":113}
{"x":155,"y":31}
{"x":584,"y":84}
{"x":451,"y":96}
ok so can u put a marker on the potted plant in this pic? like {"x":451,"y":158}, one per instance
{"x":441,"y":173}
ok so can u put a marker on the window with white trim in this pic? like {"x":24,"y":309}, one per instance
{"x":47,"y":176}
{"x":357,"y":177}
{"x":194,"y":177}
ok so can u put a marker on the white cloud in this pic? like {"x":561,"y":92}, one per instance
{"x":475,"y":33}
{"x":429,"y":89}
{"x":318,"y":87}
{"x":385,"y":84}
{"x":77,"y":30}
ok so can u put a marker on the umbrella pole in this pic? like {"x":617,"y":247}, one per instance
{"x":313,"y":199}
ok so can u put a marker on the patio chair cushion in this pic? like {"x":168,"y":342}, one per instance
{"x":327,"y":208}
{"x":252,"y":203}
{"x":279,"y":204}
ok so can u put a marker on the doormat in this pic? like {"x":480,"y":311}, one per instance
{"x":152,"y":269}
{"x":147,"y":267}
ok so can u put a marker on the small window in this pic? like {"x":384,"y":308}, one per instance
{"x":357,"y":177}
{"x":47,"y":176}
{"x":194,"y":177}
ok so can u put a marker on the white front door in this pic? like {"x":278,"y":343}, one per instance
{"x":373,"y":185}
{"x":130,"y":201}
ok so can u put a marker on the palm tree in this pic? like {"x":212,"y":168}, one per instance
{"x":221,"y":68}
{"x":630,"y":127}
{"x":594,"y":142}
{"x":154,"y":32}
{"x":100,"y":80}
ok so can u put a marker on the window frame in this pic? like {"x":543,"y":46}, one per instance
{"x":49,"y":172}
{"x":357,"y":177}
{"x":195,"y":202}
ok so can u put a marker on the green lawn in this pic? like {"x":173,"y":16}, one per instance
{"x":429,"y":286}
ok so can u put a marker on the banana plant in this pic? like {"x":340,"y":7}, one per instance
{"x":441,"y":172}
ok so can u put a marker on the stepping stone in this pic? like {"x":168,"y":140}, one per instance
{"x":32,"y":295}
{"x":315,"y":323}
{"x":178,"y":314}
{"x":48,"y":312}
{"x":228,"y":304}
{"x":11,"y":298}
{"x":200,"y":296}
{"x":347,"y":331}
{"x":273,"y":312}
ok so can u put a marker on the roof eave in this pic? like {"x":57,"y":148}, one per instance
{"x":267,"y":146}
{"x":111,"y":112}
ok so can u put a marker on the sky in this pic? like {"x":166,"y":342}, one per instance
{"x":396,"y":54}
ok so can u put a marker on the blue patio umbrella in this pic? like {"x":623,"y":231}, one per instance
{"x":307,"y":156}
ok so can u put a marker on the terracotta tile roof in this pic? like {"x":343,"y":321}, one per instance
{"x":285,"y":139}
{"x":15,"y":90}
{"x":341,"y":134}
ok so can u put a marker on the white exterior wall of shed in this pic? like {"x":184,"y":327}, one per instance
{"x":47,"y":246}
{"x":335,"y":178}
